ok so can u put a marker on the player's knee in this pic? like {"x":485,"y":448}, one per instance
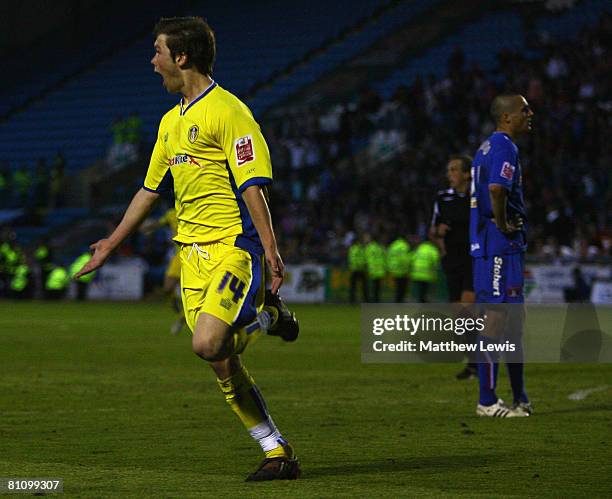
{"x":209,"y":349}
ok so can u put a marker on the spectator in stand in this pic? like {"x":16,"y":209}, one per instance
{"x":123,"y":150}
{"x":133,"y":129}
{"x":567,"y":158}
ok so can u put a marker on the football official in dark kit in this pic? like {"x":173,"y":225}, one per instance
{"x":450,"y":227}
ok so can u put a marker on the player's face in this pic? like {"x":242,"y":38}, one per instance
{"x":521,"y":117}
{"x":166,"y":66}
{"x":457,"y":178}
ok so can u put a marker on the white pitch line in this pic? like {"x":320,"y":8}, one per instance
{"x":582,"y":394}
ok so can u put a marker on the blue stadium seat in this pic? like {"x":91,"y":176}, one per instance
{"x":481,"y":41}
{"x":76,"y":118}
{"x":339,"y":52}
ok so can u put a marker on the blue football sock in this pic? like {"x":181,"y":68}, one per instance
{"x":515,"y":373}
{"x":488,"y":368}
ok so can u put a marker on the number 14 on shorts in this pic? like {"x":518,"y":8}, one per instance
{"x":236,"y":286}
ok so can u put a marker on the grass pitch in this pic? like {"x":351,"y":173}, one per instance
{"x":102,"y":396}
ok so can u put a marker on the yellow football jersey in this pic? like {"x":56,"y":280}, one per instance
{"x":214,"y":150}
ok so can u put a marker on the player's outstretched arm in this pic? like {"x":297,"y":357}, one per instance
{"x":139,"y":208}
{"x":258,"y":208}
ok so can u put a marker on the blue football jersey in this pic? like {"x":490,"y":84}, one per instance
{"x":496,"y":162}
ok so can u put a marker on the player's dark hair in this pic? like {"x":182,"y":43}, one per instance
{"x":503,"y":103}
{"x":466,"y":161}
{"x":191,"y":36}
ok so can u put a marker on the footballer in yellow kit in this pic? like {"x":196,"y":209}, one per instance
{"x":214,"y":149}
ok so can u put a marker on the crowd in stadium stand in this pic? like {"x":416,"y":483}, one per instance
{"x":398,"y":149}
{"x":373,"y":165}
{"x":40,"y":187}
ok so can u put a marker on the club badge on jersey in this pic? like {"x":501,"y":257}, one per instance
{"x":245,"y":151}
{"x":507,"y":171}
{"x":193,"y":134}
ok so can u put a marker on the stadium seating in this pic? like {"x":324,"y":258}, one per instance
{"x":8,"y":215}
{"x":27,"y":236}
{"x":45,"y":69}
{"x":339,"y":52}
{"x":481,"y":41}
{"x":570,"y":23}
{"x":76,"y":118}
{"x":61,"y":216}
{"x":256,"y":54}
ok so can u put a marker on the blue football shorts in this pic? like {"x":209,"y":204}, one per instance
{"x":499,"y":278}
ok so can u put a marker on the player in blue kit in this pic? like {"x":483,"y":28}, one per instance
{"x":497,"y":245}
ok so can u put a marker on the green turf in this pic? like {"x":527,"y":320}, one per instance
{"x":102,"y":396}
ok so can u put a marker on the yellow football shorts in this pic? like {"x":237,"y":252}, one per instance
{"x":222,"y":280}
{"x":174,"y":267}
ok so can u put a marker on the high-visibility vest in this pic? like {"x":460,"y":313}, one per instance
{"x":357,"y":258}
{"x":424,"y":263}
{"x":41,"y":252}
{"x":58,"y":279}
{"x":20,"y":278}
{"x":375,"y":258}
{"x":78,"y":265}
{"x":398,"y":258}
